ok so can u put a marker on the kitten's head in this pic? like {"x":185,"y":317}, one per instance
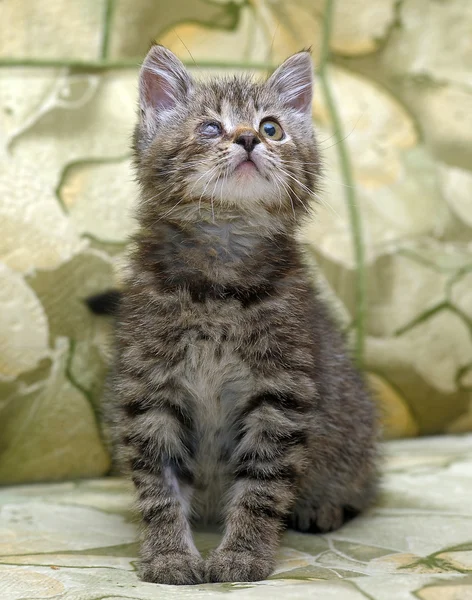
{"x":225,"y":145}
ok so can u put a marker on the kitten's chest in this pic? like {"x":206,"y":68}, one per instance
{"x":211,"y":250}
{"x":230,"y":241}
{"x":214,"y":376}
{"x":217,"y":382}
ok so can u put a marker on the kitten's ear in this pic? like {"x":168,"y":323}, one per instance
{"x":164,"y":82}
{"x":293,"y":81}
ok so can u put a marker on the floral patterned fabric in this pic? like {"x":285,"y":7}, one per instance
{"x":391,"y":240}
{"x":78,"y":541}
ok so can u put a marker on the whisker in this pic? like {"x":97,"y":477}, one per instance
{"x":285,"y":188}
{"x":225,"y":176}
{"x":313,"y":174}
{"x":279,"y":191}
{"x":302,"y":185}
{"x":212,"y":197}
{"x":202,"y":176}
{"x":311,"y":192}
{"x":185,"y":46}
{"x":338,"y":182}
{"x":269,"y":54}
{"x":344,"y":137}
{"x":204,"y":190}
{"x":289,"y":194}
{"x":167,"y":188}
{"x":163,"y":191}
{"x":169,"y":211}
{"x":330,"y":137}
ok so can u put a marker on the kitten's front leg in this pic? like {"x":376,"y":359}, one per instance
{"x":156,"y":432}
{"x":168,"y":554}
{"x":269,"y":460}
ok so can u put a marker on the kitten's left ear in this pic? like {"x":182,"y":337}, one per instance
{"x":164,"y":83}
{"x":293,"y":81}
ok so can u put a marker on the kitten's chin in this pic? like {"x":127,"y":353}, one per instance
{"x":248,"y":183}
{"x":247,"y":187}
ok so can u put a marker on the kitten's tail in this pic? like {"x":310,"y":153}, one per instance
{"x":106,"y":303}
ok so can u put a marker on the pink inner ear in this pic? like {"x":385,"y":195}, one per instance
{"x":297,"y":89}
{"x":302,"y":101}
{"x":293,"y":80}
{"x":157,"y":91}
{"x":164,"y":81}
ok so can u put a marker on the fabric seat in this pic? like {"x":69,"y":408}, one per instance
{"x":78,"y":540}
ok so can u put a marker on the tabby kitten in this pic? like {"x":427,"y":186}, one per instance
{"x":232,"y":396}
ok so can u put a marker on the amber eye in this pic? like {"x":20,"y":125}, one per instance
{"x":271,"y":130}
{"x":210,"y":129}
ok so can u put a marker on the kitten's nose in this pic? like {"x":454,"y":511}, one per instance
{"x":248,"y":139}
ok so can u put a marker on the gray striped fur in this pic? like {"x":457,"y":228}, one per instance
{"x":232,"y":398}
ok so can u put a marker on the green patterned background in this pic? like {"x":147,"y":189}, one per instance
{"x":392,"y":237}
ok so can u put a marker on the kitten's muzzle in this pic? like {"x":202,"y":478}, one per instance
{"x":247,"y":139}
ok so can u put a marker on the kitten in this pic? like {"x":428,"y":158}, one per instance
{"x":231,"y":395}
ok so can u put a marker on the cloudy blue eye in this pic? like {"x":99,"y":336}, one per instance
{"x":271,"y":130}
{"x":210,"y":129}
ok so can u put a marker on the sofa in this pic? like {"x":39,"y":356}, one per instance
{"x":390,"y":246}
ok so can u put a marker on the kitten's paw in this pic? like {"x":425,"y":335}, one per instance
{"x":224,"y":566}
{"x":327,"y":517}
{"x":173,"y":569}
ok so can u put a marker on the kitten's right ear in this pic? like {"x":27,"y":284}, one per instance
{"x":293,"y":82}
{"x":164,"y":83}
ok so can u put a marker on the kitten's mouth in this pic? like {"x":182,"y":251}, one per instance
{"x":247,"y":166}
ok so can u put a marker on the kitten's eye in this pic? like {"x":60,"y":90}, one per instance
{"x":210,"y":129}
{"x":271,"y":130}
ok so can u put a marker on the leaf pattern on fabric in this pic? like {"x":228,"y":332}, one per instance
{"x":391,"y":241}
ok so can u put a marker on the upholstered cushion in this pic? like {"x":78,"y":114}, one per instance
{"x":76,"y":541}
{"x":391,"y":238}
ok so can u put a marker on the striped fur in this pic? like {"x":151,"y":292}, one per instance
{"x":232,"y":397}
